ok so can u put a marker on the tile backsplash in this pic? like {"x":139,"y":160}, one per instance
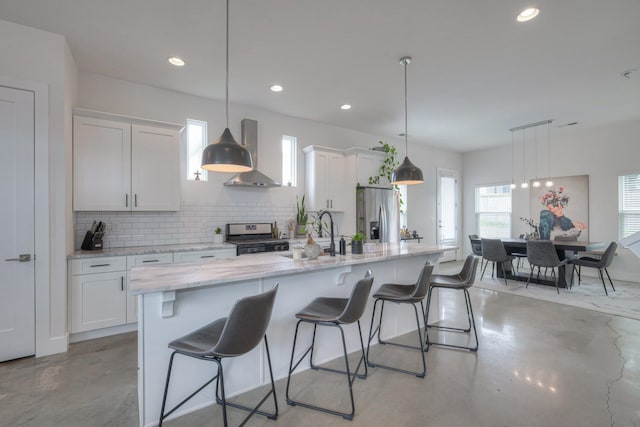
{"x":194,"y":223}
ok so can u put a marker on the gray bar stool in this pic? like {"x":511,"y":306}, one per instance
{"x":402,"y":294}
{"x":461,"y":281}
{"x":333,"y":312}
{"x":232,"y":336}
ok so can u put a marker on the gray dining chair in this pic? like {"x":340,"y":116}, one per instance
{"x":230,"y":336}
{"x":600,"y":264}
{"x":333,"y":312}
{"x":493,"y":251}
{"x":542,"y":253}
{"x":412,"y":294}
{"x":461,"y":281}
{"x":476,"y":247}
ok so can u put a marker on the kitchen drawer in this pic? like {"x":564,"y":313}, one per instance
{"x":149,"y":259}
{"x":194,"y":256}
{"x":98,"y":265}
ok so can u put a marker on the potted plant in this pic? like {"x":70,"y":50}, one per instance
{"x":356,"y":243}
{"x":218,"y":237}
{"x":388,"y":165}
{"x":301,"y":217}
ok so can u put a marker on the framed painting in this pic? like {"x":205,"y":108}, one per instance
{"x":562,"y":210}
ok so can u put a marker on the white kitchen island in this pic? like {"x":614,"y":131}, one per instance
{"x":178,"y":298}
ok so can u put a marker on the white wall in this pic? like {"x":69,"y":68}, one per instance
{"x":32,"y":58}
{"x":601,"y":151}
{"x":116,"y":96}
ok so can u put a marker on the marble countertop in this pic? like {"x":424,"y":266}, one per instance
{"x":146,"y":250}
{"x":171,"y":277}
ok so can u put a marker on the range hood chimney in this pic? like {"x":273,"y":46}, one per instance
{"x":253,"y":178}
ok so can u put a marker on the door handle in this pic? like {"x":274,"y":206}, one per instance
{"x":21,"y":258}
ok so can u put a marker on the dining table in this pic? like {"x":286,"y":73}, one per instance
{"x":564,"y":248}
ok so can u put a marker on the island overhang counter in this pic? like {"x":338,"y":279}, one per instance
{"x":176,"y":299}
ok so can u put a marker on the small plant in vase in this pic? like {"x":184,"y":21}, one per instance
{"x":534,"y":235}
{"x":301,"y":217}
{"x":356,"y":243}
{"x":218,"y":237}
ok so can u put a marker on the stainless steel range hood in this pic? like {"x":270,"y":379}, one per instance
{"x":253,"y":178}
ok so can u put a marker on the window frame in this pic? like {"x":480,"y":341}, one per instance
{"x":289,"y":160}
{"x":191,"y":150}
{"x":507,"y":227}
{"x":628,"y":211}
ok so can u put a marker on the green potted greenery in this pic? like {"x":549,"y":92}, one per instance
{"x":218,"y":237}
{"x":388,"y":165}
{"x":356,"y":243}
{"x":301,"y":217}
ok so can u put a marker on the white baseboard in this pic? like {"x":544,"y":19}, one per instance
{"x":105,"y":332}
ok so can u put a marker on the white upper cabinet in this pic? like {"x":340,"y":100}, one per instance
{"x":324,"y":179}
{"x":155,"y":168}
{"x":101,"y":164}
{"x":122,"y":164}
{"x":365,"y":163}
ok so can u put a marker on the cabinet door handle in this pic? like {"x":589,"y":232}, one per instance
{"x":122,"y":283}
{"x":151,"y":260}
{"x":21,"y":258}
{"x":331,"y":203}
{"x":100,"y":265}
{"x":126,"y":200}
{"x":135,"y":198}
{"x":207,"y":256}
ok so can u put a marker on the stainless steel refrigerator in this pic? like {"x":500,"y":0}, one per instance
{"x":378,"y":214}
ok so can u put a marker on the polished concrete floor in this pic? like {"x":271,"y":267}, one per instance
{"x":539,"y":364}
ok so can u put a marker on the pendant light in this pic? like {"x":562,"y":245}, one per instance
{"x":225,"y":154}
{"x":536,"y":182}
{"x":548,"y":183}
{"x":513,"y":157}
{"x":524,"y":183}
{"x":407,"y":173}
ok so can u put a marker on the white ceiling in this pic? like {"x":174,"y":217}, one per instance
{"x":475,"y":74}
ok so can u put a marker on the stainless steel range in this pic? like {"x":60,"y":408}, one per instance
{"x":252,"y":238}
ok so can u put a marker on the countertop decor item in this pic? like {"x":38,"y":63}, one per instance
{"x":312,"y":250}
{"x":356,"y":243}
{"x":407,"y":173}
{"x":301,"y":217}
{"x":225,"y":154}
{"x":218,"y":237}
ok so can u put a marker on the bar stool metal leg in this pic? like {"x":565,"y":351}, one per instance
{"x":377,"y":330}
{"x":309,"y":351}
{"x":470,"y":318}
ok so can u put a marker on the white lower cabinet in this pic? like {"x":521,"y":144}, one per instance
{"x":99,"y":288}
{"x":98,"y":299}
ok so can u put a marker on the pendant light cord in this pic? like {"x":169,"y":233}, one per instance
{"x":227,"y":70}
{"x":406,"y":146}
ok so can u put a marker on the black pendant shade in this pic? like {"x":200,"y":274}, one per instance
{"x":407,"y":174}
{"x":226,"y":155}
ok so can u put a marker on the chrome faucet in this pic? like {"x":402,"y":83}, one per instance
{"x":332,"y":245}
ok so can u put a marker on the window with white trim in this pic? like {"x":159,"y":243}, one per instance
{"x":196,"y":143}
{"x":493,"y":211}
{"x":628,"y":205}
{"x":289,"y":160}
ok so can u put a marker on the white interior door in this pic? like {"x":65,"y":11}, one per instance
{"x":447,"y":220}
{"x":17,"y":240}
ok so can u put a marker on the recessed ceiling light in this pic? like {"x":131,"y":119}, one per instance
{"x":345,"y":107}
{"x":276,"y":88}
{"x":174,"y":60}
{"x":528,"y":14}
